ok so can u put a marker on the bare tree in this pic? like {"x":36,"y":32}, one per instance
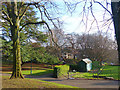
{"x":60,"y":41}
{"x":71,"y":45}
{"x":96,"y":47}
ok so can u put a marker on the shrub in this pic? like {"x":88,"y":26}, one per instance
{"x":82,"y":66}
{"x":74,"y":67}
{"x":61,"y":70}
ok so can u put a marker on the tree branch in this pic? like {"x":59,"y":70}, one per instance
{"x":40,"y":12}
{"x":47,"y":15}
{"x":19,"y":11}
{"x":5,"y":19}
{"x":28,"y":4}
{"x":51,"y":34}
{"x":41,"y":22}
{"x":8,"y":18}
{"x":103,"y":7}
{"x":24,"y":12}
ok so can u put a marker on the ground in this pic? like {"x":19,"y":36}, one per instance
{"x":81,"y":82}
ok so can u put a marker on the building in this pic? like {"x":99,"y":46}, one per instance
{"x":89,"y":63}
{"x":85,"y":64}
{"x":67,"y":56}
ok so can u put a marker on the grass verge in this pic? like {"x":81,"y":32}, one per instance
{"x":31,"y":83}
{"x":108,"y":71}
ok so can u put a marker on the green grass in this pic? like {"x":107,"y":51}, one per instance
{"x":108,"y":71}
{"x":95,"y":65}
{"x":111,"y":71}
{"x":30,"y":83}
{"x":84,"y":75}
{"x":35,"y":72}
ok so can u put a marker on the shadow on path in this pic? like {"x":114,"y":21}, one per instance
{"x":48,"y":77}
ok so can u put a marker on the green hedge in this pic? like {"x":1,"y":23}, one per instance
{"x":61,"y":70}
{"x":80,"y":67}
{"x":74,"y":67}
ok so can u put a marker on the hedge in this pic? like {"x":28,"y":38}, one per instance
{"x":61,"y":70}
{"x":74,"y":67}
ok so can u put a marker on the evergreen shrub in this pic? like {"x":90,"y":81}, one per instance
{"x":60,"y":71}
{"x":74,"y":67}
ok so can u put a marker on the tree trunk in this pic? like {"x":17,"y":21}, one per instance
{"x":16,"y":54}
{"x":16,"y":42}
{"x":116,"y":19}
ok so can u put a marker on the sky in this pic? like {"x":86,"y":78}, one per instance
{"x":72,"y":22}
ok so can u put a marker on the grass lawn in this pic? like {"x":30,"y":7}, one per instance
{"x":37,"y":69}
{"x":108,"y":71}
{"x":111,"y":71}
{"x":35,"y":72}
{"x":30,"y":83}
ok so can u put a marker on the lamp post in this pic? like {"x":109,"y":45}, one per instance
{"x":31,"y":67}
{"x":68,"y":74}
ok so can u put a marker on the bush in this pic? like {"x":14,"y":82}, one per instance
{"x":61,"y":70}
{"x":82,"y":66}
{"x":74,"y":67}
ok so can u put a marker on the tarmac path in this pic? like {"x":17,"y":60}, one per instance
{"x":82,"y":83}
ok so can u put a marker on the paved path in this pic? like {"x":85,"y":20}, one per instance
{"x":82,"y":83}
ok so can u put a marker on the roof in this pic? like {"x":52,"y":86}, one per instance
{"x":87,"y":60}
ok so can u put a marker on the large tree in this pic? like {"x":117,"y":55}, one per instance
{"x":26,"y":35}
{"x":116,"y":19}
{"x":14,"y":12}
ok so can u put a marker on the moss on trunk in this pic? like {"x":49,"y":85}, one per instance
{"x":16,"y":53}
{"x":16,"y":42}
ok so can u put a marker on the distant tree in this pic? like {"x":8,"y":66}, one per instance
{"x":55,"y":48}
{"x":6,"y":50}
{"x":88,"y":10}
{"x":96,"y":47}
{"x":71,"y":46}
{"x":50,"y":59}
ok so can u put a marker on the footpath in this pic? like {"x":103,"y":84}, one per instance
{"x":82,"y":83}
